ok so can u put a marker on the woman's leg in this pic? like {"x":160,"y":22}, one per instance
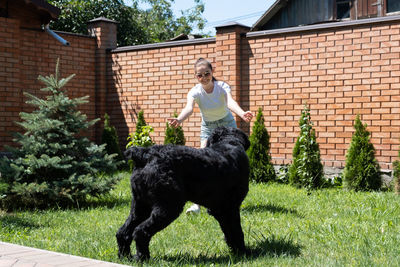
{"x":196,"y":208}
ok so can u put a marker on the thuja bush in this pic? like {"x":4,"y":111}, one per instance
{"x":54,"y":163}
{"x":110,"y":139}
{"x":261,"y":167}
{"x":141,"y":137}
{"x":306,"y":169}
{"x":362,"y":171}
{"x":174,"y":135}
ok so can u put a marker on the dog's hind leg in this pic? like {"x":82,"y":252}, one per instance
{"x":125,"y":233}
{"x":160,"y":217}
{"x":229,"y":220}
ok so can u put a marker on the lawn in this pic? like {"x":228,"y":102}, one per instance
{"x":283,"y":226}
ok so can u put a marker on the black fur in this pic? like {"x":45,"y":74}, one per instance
{"x":166,"y":177}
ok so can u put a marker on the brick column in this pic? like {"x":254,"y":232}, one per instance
{"x":11,"y":97}
{"x":105,"y":31}
{"x":228,"y":62}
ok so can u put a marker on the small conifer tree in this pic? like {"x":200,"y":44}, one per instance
{"x":306,"y":169}
{"x":173,"y":135}
{"x":261,"y":167}
{"x":362,"y":171}
{"x":54,"y":163}
{"x":141,"y":122}
{"x":110,"y":138}
{"x":141,"y":137}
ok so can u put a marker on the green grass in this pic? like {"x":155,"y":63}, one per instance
{"x":283,"y":226}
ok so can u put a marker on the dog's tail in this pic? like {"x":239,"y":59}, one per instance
{"x":139,"y":155}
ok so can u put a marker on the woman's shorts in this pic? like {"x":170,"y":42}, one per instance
{"x":208,"y":126}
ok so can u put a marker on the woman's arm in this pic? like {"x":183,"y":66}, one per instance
{"x":234,"y":106}
{"x":185,"y":113}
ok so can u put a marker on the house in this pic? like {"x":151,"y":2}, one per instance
{"x":292,"y":13}
{"x":30,"y":13}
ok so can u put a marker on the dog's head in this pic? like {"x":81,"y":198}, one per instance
{"x":229,"y":135}
{"x":140,"y":155}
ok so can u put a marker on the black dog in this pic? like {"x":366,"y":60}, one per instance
{"x":165,"y":177}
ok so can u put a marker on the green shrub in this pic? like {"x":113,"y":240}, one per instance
{"x":141,"y":137}
{"x":173,"y":135}
{"x":110,"y":138}
{"x":306,"y":169}
{"x":54,"y":163}
{"x":141,"y":122}
{"x":362,"y":171}
{"x":261,"y":168}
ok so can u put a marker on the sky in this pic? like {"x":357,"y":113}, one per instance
{"x":218,"y":12}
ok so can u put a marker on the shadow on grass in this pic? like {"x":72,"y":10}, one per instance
{"x":14,"y":223}
{"x":104,"y":202}
{"x":271,"y":208}
{"x":269,"y":248}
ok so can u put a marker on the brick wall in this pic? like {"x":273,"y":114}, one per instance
{"x":340,"y":72}
{"x":339,"y":69}
{"x":156,"y":80}
{"x":27,"y":53}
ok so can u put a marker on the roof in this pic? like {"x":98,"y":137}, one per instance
{"x":232,"y":23}
{"x":49,"y":11}
{"x":184,"y":36}
{"x":103,"y":19}
{"x":274,"y":8}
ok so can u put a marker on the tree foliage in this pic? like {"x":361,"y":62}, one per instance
{"x":174,"y":135}
{"x":362,"y":171}
{"x":135,"y":26}
{"x":261,"y":167}
{"x":54,"y":162}
{"x":306,"y":169}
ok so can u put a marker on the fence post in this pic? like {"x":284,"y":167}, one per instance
{"x":105,"y":31}
{"x":228,"y":62}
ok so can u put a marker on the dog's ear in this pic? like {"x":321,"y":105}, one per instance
{"x":216,"y":135}
{"x":128,"y":153}
{"x":246,"y":140}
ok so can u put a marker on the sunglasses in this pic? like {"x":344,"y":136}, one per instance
{"x":201,"y":75}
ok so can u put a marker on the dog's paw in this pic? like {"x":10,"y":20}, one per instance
{"x":125,"y":256}
{"x":141,"y":257}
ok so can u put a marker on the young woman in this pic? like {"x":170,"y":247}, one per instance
{"x":215,"y":102}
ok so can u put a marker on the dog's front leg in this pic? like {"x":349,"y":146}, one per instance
{"x":124,"y":238}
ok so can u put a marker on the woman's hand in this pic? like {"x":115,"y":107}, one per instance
{"x":174,"y":122}
{"x":247,"y":116}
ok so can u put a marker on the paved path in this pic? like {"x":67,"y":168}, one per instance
{"x":20,"y":256}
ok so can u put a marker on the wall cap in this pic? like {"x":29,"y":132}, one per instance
{"x":323,"y":26}
{"x":232,"y":24}
{"x":102,"y":19}
{"x":164,"y":44}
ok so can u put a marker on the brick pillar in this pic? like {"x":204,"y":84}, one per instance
{"x":105,"y":31}
{"x":228,"y":62}
{"x":11,"y":97}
